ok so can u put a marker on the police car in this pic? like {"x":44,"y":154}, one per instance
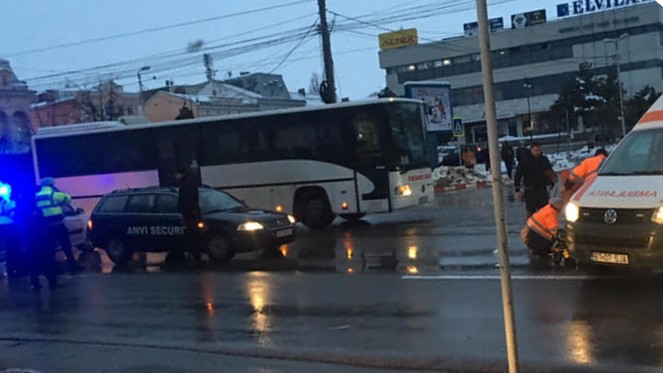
{"x":147,"y":219}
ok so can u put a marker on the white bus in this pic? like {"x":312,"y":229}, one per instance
{"x":347,"y":159}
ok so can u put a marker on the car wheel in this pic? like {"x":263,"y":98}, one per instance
{"x":118,"y":251}
{"x":220,"y":249}
{"x":315,"y":211}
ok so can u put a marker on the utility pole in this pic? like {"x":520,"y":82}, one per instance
{"x":617,"y":59}
{"x":498,"y":199}
{"x":327,"y":54}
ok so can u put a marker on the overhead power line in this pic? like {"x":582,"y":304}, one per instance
{"x":155,"y":29}
{"x":299,"y":43}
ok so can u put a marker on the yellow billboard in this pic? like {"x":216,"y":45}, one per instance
{"x":398,"y":39}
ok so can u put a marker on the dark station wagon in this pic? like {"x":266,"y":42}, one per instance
{"x":147,"y":220}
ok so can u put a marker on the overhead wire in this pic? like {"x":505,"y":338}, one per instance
{"x":155,"y":29}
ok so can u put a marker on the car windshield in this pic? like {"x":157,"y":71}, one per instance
{"x":215,"y":201}
{"x":641,"y":153}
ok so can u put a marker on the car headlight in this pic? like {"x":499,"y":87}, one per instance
{"x":292,"y":219}
{"x":658,"y":216}
{"x":572,"y":212}
{"x":250,"y":226}
{"x":403,"y":190}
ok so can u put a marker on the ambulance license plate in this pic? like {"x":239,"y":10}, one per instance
{"x":423,"y":200}
{"x":609,"y":258}
{"x":284,"y":233}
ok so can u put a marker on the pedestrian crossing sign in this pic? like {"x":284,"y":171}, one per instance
{"x":458,"y":129}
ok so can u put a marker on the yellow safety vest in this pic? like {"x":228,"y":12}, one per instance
{"x":50,"y":202}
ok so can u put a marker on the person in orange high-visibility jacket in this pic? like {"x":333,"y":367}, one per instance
{"x":585,"y":171}
{"x":540,"y":230}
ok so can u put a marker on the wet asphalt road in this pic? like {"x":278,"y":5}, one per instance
{"x":385,"y":294}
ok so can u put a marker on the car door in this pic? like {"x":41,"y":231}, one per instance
{"x":170,"y":230}
{"x":139,"y":215}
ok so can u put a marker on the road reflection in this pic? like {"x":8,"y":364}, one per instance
{"x":618,"y":321}
{"x":347,"y":248}
{"x":258,"y":290}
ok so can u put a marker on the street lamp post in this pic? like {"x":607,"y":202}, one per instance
{"x":617,"y":58}
{"x":140,"y":86}
{"x":528,"y":88}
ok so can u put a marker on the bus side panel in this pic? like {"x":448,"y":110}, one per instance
{"x":271,"y":184}
{"x":86,"y":190}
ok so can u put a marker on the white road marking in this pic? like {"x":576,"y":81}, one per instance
{"x":497,"y":277}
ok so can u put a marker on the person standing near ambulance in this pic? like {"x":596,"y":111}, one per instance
{"x":584,"y":172}
{"x":533,"y":174}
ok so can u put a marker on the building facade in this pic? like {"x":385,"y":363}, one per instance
{"x":532,"y":64}
{"x":107,"y":101}
{"x":212,"y":98}
{"x":16,"y":125}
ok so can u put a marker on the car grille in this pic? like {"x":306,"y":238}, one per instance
{"x":602,"y":241}
{"x":276,"y":223}
{"x":624,"y":216}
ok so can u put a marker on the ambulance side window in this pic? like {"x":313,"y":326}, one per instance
{"x":141,"y":203}
{"x":166,"y":204}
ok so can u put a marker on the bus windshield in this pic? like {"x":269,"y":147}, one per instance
{"x":407,"y":133}
{"x":641,"y":153}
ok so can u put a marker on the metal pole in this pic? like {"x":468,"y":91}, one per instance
{"x":621,"y":94}
{"x":326,"y":51}
{"x":498,"y":201}
{"x":140,"y":97}
{"x":568,"y":130}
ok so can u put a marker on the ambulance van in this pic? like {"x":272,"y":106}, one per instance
{"x":616,"y":219}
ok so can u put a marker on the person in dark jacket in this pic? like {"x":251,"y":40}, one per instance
{"x":534,"y":174}
{"x":508,"y":157}
{"x":40,"y":241}
{"x":189,"y":207}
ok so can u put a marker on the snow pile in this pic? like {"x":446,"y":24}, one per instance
{"x":451,"y":176}
{"x":568,"y":160}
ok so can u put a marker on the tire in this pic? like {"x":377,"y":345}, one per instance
{"x":219,"y":249}
{"x":314,"y":210}
{"x":352,"y":218}
{"x":118,"y":251}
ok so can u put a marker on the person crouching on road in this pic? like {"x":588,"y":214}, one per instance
{"x":539,"y":232}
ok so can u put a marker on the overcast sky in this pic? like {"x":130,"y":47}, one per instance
{"x":32,"y":30}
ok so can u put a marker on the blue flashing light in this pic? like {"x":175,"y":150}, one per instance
{"x":5,"y":191}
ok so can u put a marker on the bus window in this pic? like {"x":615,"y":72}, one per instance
{"x":368,"y":134}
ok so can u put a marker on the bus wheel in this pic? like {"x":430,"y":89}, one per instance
{"x":314,"y":209}
{"x":219,"y":249}
{"x":353,"y":218}
{"x":118,"y":251}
